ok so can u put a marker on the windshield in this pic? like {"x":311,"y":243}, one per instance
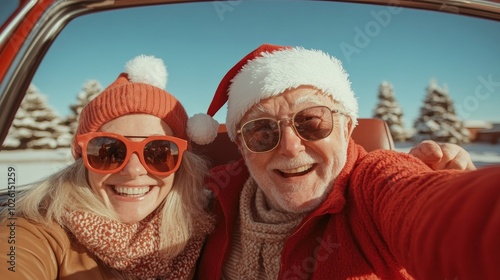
{"x":401,"y":62}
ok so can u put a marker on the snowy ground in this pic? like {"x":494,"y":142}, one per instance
{"x":33,"y":165}
{"x":482,"y":154}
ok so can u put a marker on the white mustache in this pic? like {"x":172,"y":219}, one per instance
{"x":285,"y":164}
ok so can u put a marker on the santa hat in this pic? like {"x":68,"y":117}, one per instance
{"x":138,"y":90}
{"x":269,"y":70}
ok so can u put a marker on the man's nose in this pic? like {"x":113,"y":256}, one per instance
{"x":290,"y":144}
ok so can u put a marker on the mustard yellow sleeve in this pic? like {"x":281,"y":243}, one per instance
{"x":29,"y":251}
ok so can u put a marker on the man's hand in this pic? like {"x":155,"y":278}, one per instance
{"x":443,"y":155}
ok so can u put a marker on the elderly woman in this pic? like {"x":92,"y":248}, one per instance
{"x":132,"y":205}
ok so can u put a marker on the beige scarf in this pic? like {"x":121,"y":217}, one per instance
{"x":132,"y":248}
{"x":263,"y":233}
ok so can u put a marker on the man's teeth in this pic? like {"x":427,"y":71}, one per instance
{"x":132,"y":191}
{"x":297,"y":170}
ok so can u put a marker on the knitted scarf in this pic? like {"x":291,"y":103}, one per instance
{"x":263,"y":233}
{"x":132,"y":248}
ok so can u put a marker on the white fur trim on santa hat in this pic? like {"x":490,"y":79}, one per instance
{"x":273,"y":73}
{"x":147,"y":70}
{"x":202,"y":129}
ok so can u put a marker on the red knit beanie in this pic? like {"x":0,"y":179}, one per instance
{"x":139,"y":90}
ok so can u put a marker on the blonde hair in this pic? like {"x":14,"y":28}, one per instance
{"x":184,"y":211}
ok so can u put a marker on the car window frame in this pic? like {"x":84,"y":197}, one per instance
{"x":44,"y":20}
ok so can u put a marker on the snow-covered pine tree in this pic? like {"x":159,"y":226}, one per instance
{"x":36,"y":125}
{"x":438,"y":120}
{"x":388,"y":109}
{"x":89,"y":91}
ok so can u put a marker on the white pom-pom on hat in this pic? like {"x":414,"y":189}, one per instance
{"x":147,"y":69}
{"x":202,"y":128}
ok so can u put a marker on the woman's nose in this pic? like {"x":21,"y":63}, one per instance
{"x":133,"y":167}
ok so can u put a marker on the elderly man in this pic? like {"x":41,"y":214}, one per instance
{"x":306,"y":202}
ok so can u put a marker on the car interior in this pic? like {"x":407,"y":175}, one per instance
{"x":30,"y":28}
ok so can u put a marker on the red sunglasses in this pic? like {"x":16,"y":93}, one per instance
{"x":105,"y":152}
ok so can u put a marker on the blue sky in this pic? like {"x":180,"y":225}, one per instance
{"x":200,"y":42}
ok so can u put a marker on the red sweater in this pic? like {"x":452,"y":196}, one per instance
{"x":388,"y":213}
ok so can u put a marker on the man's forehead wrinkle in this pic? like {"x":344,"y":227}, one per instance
{"x":307,"y":98}
{"x":313,"y":98}
{"x":256,"y":111}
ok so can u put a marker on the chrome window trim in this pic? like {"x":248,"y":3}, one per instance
{"x":9,"y":29}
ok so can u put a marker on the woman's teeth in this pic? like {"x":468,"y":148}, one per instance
{"x":126,"y":191}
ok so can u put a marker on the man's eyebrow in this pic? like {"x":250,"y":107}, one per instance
{"x":258,"y":110}
{"x":308,"y":99}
